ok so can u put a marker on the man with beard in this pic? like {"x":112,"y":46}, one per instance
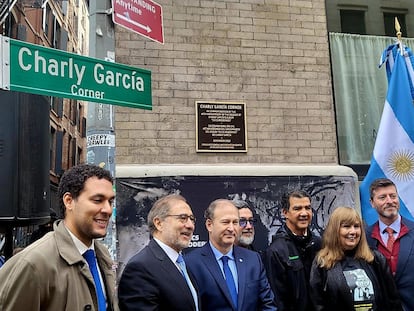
{"x":157,"y":278}
{"x":246,"y":222}
{"x":289,"y":258}
{"x":393,"y":236}
{"x":68,"y":268}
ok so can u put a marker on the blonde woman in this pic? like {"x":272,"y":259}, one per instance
{"x":346,"y":274}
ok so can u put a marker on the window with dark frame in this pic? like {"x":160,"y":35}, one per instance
{"x":389,"y":24}
{"x":57,"y":35}
{"x":369,"y":18}
{"x":353,"y":21}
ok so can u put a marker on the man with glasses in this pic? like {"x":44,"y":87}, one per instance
{"x":228,"y":277}
{"x":246,"y":233}
{"x":157,"y":278}
{"x":289,"y":258}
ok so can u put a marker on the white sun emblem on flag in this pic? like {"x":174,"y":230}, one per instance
{"x":401,"y":165}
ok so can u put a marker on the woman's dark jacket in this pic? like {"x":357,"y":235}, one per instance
{"x":329,"y":289}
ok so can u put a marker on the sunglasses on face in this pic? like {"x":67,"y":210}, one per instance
{"x":243,"y":221}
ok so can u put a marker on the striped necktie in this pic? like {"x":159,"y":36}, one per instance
{"x":391,"y":238}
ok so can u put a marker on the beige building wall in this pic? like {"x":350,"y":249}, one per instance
{"x":271,"y":54}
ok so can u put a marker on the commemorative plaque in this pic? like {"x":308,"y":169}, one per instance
{"x":221,"y":126}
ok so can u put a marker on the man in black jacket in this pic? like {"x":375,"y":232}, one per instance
{"x":289,"y":258}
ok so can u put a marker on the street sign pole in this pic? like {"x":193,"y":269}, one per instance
{"x":4,"y":63}
{"x":100,"y":129}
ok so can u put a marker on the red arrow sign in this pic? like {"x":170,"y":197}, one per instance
{"x":141,"y":16}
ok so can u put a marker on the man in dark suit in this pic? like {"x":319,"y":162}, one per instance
{"x":156,"y":278}
{"x":228,"y":277}
{"x":397,"y":245}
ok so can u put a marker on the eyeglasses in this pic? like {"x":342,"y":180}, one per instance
{"x":243,"y":222}
{"x":184,"y":218}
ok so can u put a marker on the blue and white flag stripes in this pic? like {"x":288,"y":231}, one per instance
{"x":393,"y":155}
{"x":388,"y":57}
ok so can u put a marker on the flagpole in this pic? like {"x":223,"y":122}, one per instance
{"x":398,"y":30}
{"x":393,"y":154}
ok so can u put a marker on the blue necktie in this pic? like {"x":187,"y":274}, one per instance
{"x":89,"y":255}
{"x":181,"y":264}
{"x":229,"y":280}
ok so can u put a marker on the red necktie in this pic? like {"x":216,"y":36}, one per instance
{"x":391,"y":238}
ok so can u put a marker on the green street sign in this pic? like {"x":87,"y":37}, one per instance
{"x":31,"y":68}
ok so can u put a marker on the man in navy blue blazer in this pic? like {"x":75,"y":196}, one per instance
{"x":228,"y":277}
{"x":153,"y":279}
{"x":400,"y":251}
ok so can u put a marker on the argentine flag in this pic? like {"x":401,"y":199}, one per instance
{"x":393,"y":155}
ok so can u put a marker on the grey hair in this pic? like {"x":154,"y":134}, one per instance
{"x":240,"y":204}
{"x":161,"y":208}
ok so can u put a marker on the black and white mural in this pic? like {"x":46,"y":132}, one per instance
{"x":135,"y":197}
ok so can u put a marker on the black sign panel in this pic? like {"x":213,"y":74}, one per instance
{"x":221,"y":127}
{"x":135,"y":197}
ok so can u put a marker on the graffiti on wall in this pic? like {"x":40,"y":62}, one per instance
{"x":135,"y":197}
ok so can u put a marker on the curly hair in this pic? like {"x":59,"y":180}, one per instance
{"x":73,"y":180}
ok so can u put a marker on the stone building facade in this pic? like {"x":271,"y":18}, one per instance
{"x":272,"y":55}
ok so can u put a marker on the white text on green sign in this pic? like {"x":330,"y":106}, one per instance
{"x":46,"y":71}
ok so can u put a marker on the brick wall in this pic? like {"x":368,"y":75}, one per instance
{"x":271,"y":54}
